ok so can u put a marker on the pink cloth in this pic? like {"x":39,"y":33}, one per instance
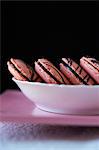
{"x":37,"y":135}
{"x":15,"y":107}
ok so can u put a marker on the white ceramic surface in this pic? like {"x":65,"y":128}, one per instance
{"x":64,"y":99}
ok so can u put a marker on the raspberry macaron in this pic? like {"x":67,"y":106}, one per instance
{"x":91,"y":65}
{"x":49,"y":73}
{"x":75,"y":73}
{"x":22,"y":71}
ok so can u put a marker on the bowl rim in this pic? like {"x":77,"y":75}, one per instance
{"x":54,"y":85}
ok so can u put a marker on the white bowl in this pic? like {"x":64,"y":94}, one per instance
{"x":64,"y":99}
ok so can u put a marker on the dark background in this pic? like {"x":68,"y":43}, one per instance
{"x":31,"y":30}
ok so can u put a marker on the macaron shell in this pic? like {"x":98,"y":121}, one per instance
{"x":85,"y":78}
{"x":94,"y":73}
{"x":44,"y":75}
{"x":24,"y":68}
{"x":54,"y":71}
{"x":14,"y":72}
{"x":82,"y":73}
{"x":92,"y":61}
{"x":36,"y":77}
{"x":71,"y":77}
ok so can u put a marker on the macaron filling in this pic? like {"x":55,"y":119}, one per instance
{"x":77,"y":76}
{"x":51,"y":75}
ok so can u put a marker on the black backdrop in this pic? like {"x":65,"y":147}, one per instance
{"x":31,"y":30}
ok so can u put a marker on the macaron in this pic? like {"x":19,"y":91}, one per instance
{"x":91,"y":65}
{"x":49,"y":73}
{"x":75,"y":73}
{"x":22,"y":71}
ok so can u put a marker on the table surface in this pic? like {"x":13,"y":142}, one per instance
{"x":36,"y":136}
{"x":17,"y":108}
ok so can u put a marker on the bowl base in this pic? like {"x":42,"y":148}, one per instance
{"x":67,"y":112}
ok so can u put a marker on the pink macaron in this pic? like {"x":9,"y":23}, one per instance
{"x":91,"y":65}
{"x":49,"y":73}
{"x":22,"y":71}
{"x":75,"y":73}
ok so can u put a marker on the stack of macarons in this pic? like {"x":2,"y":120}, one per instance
{"x":87,"y":72}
